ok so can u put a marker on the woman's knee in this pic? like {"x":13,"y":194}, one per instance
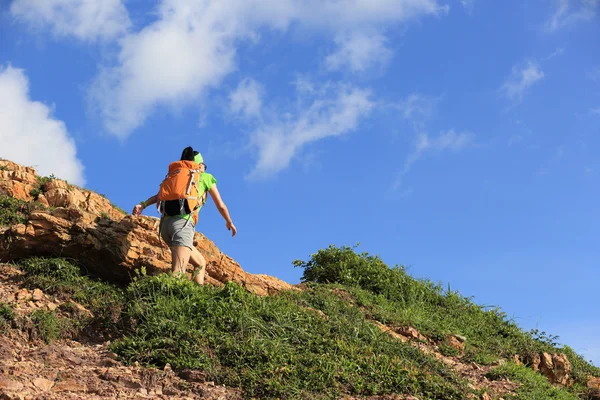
{"x":180,"y":257}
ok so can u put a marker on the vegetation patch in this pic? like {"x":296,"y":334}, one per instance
{"x":7,"y":315}
{"x":316,"y":343}
{"x":391,"y":296}
{"x":67,"y":281}
{"x":47,"y":325}
{"x":15,"y":211}
{"x":40,"y":188}
{"x":273,"y":347}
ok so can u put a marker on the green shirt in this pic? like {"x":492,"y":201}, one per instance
{"x":205,"y":183}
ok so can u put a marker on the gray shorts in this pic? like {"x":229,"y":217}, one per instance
{"x":177,"y":232}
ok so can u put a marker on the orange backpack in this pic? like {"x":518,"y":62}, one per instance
{"x":179,"y":193}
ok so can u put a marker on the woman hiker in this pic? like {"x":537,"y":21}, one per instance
{"x":180,"y":197}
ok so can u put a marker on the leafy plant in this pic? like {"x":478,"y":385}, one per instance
{"x":16,"y":211}
{"x":40,"y":188}
{"x":7,"y":315}
{"x":544,"y":337}
{"x":47,"y":324}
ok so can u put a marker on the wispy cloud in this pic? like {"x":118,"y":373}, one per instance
{"x":521,"y":80}
{"x":417,"y":107}
{"x":559,"y":51}
{"x":85,"y":20}
{"x":568,"y":12}
{"x":446,"y":141}
{"x":246,"y":99}
{"x":191,"y":47}
{"x":468,"y":5}
{"x":336,"y":110}
{"x":595,"y":110}
{"x":30,"y":135}
{"x":359,"y":52}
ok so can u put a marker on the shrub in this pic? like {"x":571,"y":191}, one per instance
{"x":47,"y":325}
{"x":16,"y":211}
{"x":40,"y":187}
{"x":7,"y":315}
{"x":345,"y":266}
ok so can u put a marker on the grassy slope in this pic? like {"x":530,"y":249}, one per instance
{"x":280,"y":346}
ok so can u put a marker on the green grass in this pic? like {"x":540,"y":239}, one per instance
{"x":47,"y":325}
{"x":3,"y":168}
{"x":16,"y":211}
{"x":311,"y":344}
{"x":534,"y":386}
{"x":64,"y":279}
{"x":392,"y":297}
{"x":273,"y":346}
{"x":7,"y":315}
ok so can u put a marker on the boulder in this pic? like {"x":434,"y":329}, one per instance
{"x":555,"y":367}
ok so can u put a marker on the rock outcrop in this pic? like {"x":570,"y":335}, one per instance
{"x":556,"y":367}
{"x":83,"y":225}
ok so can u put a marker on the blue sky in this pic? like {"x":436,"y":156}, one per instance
{"x":458,"y":138}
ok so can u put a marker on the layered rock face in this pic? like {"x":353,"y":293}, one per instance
{"x":80,"y":224}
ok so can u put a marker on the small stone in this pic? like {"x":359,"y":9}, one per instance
{"x":51,"y":306}
{"x":22,"y":294}
{"x":69,"y":385}
{"x":10,"y":384}
{"x":37,"y":295}
{"x":43,"y":384}
{"x":593,"y":383}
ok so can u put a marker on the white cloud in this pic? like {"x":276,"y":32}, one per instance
{"x":87,"y":20}
{"x":192,"y":45}
{"x":521,"y":80}
{"x":568,"y":12}
{"x":335,"y":111}
{"x":359,"y":51}
{"x":247,"y":98}
{"x":446,"y":141}
{"x":30,"y":135}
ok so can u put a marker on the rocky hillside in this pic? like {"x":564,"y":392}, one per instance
{"x":79,"y":319}
{"x":54,"y":218}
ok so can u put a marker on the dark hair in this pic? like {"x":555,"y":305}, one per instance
{"x":188,"y":154}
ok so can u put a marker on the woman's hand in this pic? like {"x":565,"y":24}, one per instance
{"x":137,"y":210}
{"x":231,"y":227}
